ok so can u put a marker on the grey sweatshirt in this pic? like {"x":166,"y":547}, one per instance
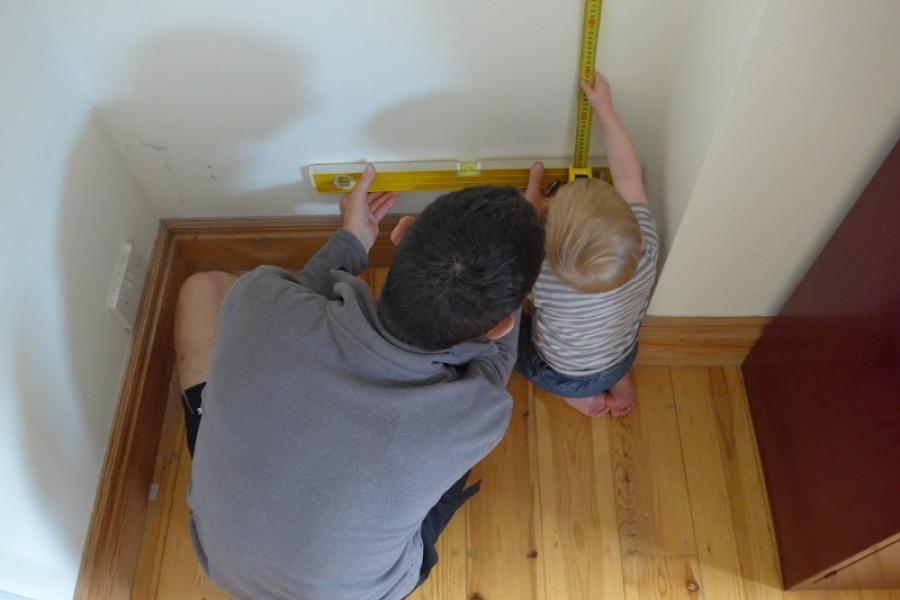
{"x":325,"y":440}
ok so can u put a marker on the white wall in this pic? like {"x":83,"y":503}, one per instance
{"x":814,"y":112}
{"x":66,"y":204}
{"x":217,"y":105}
{"x":672,"y":66}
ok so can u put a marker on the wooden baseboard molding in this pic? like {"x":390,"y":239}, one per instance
{"x":241,"y":244}
{"x":698,"y":340}
{"x":184,"y":246}
{"x":113,"y":539}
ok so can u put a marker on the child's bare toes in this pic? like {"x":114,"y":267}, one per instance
{"x":582,"y":405}
{"x":621,"y":412}
{"x":619,"y":407}
{"x":600,"y":405}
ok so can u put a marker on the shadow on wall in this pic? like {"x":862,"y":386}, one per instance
{"x":449,"y":125}
{"x":468,"y":123}
{"x":454,"y":125}
{"x":199,"y":99}
{"x":70,"y":349}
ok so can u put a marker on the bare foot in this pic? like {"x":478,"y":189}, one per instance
{"x":622,"y":397}
{"x":594,"y":406}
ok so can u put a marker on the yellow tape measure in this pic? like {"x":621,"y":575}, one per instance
{"x":584,"y":116}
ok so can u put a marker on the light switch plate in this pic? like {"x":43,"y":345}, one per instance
{"x":128,"y":282}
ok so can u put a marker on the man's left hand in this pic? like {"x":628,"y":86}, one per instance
{"x":534,"y":194}
{"x":362,"y":212}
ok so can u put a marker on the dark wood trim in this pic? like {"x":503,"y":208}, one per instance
{"x":184,"y":246}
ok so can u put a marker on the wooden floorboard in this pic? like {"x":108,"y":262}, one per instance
{"x":157,"y":522}
{"x":656,"y":536}
{"x":449,"y":579}
{"x":503,"y":544}
{"x":578,"y":515}
{"x":181,"y":575}
{"x":713,"y":472}
{"x":668,"y":502}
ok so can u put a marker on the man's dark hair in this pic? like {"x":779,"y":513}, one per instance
{"x":467,"y":262}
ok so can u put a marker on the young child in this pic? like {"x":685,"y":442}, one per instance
{"x":595,"y":285}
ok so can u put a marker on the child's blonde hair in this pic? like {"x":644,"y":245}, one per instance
{"x":593,"y":237}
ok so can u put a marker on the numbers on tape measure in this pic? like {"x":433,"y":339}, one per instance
{"x":590,"y":28}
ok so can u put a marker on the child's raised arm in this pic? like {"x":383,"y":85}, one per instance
{"x":623,"y":159}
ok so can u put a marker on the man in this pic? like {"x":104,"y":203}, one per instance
{"x":332,"y":435}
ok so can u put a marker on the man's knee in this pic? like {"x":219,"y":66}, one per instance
{"x":200,"y":299}
{"x":197,"y":322}
{"x":207,"y":287}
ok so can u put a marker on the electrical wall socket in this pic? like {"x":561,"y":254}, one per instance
{"x":128,"y":282}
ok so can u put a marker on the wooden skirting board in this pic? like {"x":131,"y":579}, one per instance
{"x":681,"y":341}
{"x":184,"y":246}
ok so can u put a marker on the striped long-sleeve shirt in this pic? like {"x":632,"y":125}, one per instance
{"x":581,"y":333}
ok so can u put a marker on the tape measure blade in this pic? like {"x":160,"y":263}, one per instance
{"x":584,"y":116}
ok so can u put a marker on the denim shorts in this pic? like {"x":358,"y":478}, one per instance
{"x":534,"y":367}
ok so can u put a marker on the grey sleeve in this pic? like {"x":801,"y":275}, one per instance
{"x":341,"y":251}
{"x":498,"y":367}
